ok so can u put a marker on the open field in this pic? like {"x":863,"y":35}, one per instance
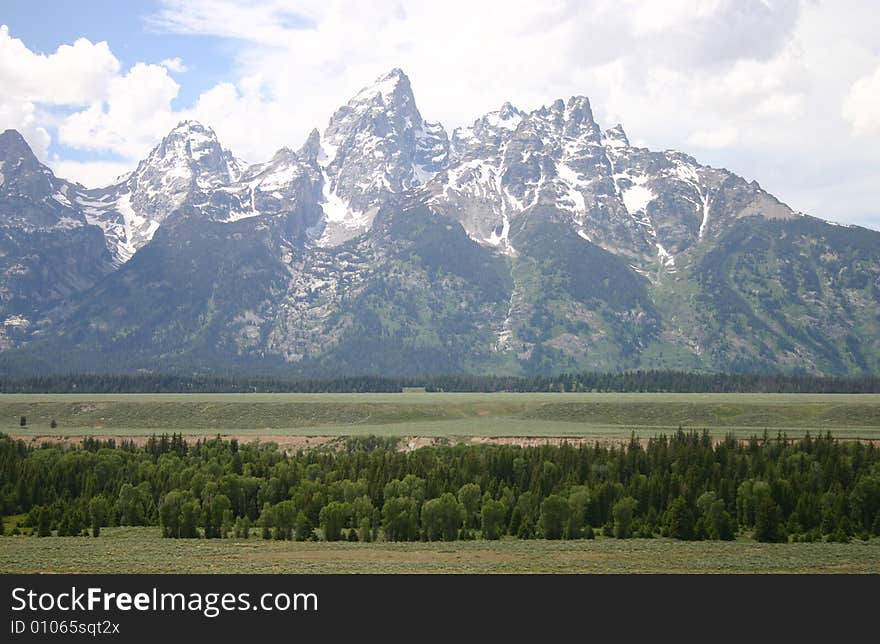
{"x":142,"y":550}
{"x":439,"y":414}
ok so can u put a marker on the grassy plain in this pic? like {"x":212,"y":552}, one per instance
{"x":440,"y":414}
{"x":142,"y":550}
{"x":432,"y":415}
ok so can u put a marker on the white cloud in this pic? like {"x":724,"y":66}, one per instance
{"x":467,"y":58}
{"x":20,"y":115}
{"x":246,"y":121}
{"x":75,"y":74}
{"x":861,"y":107}
{"x":174,"y":65}
{"x":136,"y":114}
{"x":265,"y":21}
{"x":90,"y":173}
{"x":718,"y":138}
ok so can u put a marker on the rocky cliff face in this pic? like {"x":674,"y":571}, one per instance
{"x":48,"y":251}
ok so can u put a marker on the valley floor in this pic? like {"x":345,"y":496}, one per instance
{"x":142,"y":550}
{"x":293,"y":419}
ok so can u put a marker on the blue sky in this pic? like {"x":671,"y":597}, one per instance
{"x":785,"y":92}
{"x":44,"y":25}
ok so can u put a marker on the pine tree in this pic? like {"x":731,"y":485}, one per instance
{"x":98,"y":512}
{"x":515,"y":521}
{"x":492,"y":519}
{"x":64,"y":525}
{"x":554,"y":516}
{"x":266,"y":521}
{"x":364,"y":531}
{"x":227,"y":524}
{"x":680,"y":520}
{"x":623,"y":516}
{"x":769,"y":526}
{"x":44,"y":523}
{"x":303,"y":527}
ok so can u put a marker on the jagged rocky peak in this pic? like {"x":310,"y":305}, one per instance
{"x":506,"y":118}
{"x":382,"y":119}
{"x":185,"y":169}
{"x":391,"y":87}
{"x":492,"y":127}
{"x":509,"y":162}
{"x":19,"y":168}
{"x":386,"y":107}
{"x":376,"y":145}
{"x":193,"y":150}
{"x":615,"y":137}
{"x":31,"y":196}
{"x":189,"y":159}
{"x":573,"y":118}
{"x":13,"y":146}
{"x":311,"y":149}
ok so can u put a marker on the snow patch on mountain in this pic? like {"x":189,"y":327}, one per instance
{"x":501,"y":239}
{"x":335,"y":208}
{"x":688,"y":174}
{"x":488,"y":176}
{"x":507,"y":118}
{"x":572,"y":182}
{"x":62,"y":199}
{"x":17,"y":321}
{"x":384,"y":87}
{"x":138,"y":229}
{"x":615,"y":138}
{"x":637,"y":197}
{"x":667,"y":259}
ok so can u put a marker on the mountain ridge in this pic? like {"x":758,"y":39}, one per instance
{"x":526,"y":243}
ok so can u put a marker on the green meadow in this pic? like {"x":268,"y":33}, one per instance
{"x":143,"y":550}
{"x":440,"y":414}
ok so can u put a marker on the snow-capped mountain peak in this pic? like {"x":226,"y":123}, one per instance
{"x":311,"y":149}
{"x":646,"y":206}
{"x":13,"y":146}
{"x":376,"y":145}
{"x":508,"y":117}
{"x":192,"y":151}
{"x":534,"y":240}
{"x":615,"y":137}
{"x":186,"y":167}
{"x":387,"y":88}
{"x":31,"y":196}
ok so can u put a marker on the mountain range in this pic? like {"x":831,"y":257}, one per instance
{"x":526,"y":243}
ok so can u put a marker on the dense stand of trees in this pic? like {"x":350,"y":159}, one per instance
{"x":682,"y":486}
{"x":629,"y":381}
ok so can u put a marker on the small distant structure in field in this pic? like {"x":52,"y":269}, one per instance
{"x":413,"y":390}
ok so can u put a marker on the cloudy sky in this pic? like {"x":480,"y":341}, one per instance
{"x":786,"y":92}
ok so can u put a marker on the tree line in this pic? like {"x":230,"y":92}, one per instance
{"x":683,"y":486}
{"x":629,"y":381}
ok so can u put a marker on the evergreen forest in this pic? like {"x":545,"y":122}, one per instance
{"x":682,"y":486}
